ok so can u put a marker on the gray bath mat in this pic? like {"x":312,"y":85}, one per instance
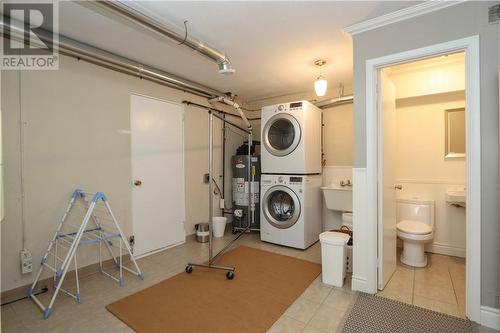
{"x":376,"y":314}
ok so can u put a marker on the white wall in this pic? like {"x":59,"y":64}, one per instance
{"x":338,"y":135}
{"x":422,"y":169}
{"x":76,"y":124}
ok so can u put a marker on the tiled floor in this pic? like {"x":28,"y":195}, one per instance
{"x":440,"y":286}
{"x":319,"y":309}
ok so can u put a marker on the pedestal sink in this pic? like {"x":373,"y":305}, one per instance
{"x":456,"y":197}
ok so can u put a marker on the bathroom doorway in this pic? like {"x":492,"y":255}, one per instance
{"x":382,"y":211}
{"x":422,"y":182}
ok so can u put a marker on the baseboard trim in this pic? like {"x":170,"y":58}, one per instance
{"x":490,"y":317}
{"x":22,"y":291}
{"x":359,"y":283}
{"x":85,"y":271}
{"x":162,"y":249}
{"x":446,"y":249}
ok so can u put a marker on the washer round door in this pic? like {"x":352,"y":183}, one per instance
{"x":281,"y":134}
{"x":281,"y":207}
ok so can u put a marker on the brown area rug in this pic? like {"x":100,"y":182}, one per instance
{"x":265,"y":284}
{"x":376,"y":314}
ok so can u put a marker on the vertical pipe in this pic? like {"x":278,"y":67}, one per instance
{"x":253,"y":196}
{"x":223,"y":194}
{"x":249,"y":171}
{"x":21,"y":164}
{"x":210,"y":189}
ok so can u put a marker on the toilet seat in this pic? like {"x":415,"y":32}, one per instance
{"x":414,"y":237}
{"x":414,"y":227}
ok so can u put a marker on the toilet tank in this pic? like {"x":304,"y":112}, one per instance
{"x":416,"y":209}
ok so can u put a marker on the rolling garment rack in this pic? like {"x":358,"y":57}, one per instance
{"x":220,"y":115}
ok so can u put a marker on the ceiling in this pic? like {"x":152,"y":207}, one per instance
{"x":436,"y":75}
{"x":272,"y":45}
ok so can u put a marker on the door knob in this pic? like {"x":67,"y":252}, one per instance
{"x":137,"y":182}
{"x":398,"y":187}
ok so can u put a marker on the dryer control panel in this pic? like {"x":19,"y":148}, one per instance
{"x":296,"y":180}
{"x":295,"y":106}
{"x":282,"y":180}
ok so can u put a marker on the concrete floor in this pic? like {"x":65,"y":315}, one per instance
{"x":319,"y":309}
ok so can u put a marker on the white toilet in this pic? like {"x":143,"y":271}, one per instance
{"x":415,"y":228}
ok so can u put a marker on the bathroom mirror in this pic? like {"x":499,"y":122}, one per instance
{"x":454,"y":120}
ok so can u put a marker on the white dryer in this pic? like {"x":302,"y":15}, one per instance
{"x":291,"y":138}
{"x":290,"y":210}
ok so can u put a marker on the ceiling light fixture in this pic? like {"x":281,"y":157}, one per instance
{"x":320,"y":85}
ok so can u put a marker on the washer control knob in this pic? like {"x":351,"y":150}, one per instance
{"x":281,"y":179}
{"x":281,"y":107}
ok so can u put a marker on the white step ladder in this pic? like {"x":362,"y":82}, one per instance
{"x":96,"y":224}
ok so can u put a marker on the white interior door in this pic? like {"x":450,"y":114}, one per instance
{"x":387,"y":180}
{"x":158,"y":201}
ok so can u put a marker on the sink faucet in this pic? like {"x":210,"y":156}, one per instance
{"x":345,"y":183}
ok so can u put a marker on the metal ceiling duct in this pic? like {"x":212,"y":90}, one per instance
{"x":134,"y":15}
{"x":73,"y":48}
{"x":335,"y":102}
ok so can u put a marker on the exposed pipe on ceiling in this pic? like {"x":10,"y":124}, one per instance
{"x":134,"y":15}
{"x":335,"y":102}
{"x":75,"y":49}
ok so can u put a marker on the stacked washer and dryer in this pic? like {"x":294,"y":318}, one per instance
{"x":291,"y":174}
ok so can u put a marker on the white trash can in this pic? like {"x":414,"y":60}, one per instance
{"x":333,"y":257}
{"x":219,"y":223}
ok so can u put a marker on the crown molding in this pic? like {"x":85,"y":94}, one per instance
{"x":399,"y":15}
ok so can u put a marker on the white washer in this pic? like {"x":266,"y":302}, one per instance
{"x":290,"y":209}
{"x":291,"y":138}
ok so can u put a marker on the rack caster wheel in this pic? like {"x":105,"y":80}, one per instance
{"x":235,"y":231}
{"x":229,"y":275}
{"x":189,"y":269}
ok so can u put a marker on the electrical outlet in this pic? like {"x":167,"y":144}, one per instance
{"x":26,"y":262}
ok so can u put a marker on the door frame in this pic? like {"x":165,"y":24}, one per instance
{"x":469,"y":45}
{"x":380,"y":178}
{"x":182,"y":190}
